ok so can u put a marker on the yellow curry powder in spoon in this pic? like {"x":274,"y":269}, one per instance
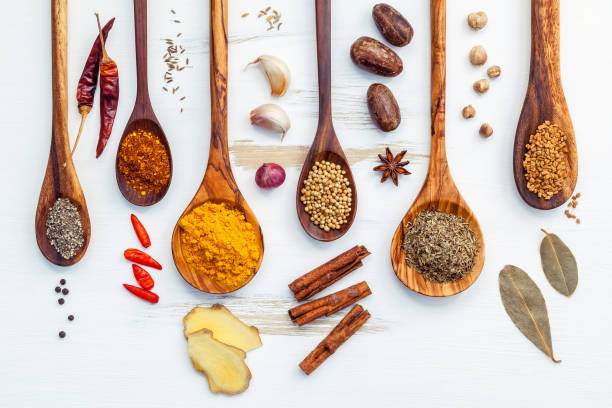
{"x":218,"y":241}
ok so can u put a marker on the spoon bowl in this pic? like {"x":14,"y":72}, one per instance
{"x":60,"y":180}
{"x":544,"y":101}
{"x":133,"y":196}
{"x":325,"y":145}
{"x":439,"y":191}
{"x":218,"y":185}
{"x":143,"y":117}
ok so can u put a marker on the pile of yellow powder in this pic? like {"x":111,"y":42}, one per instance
{"x":218,"y":241}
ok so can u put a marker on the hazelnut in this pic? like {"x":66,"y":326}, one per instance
{"x":486,"y":130}
{"x":494,"y":71}
{"x":469,"y":112}
{"x":481,"y":86}
{"x":477,"y":20}
{"x":478,"y":55}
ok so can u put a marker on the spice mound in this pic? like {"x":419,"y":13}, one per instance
{"x":144,"y":162}
{"x":441,"y":246}
{"x":64,"y":228}
{"x":327,"y":195}
{"x":218,"y":242}
{"x":545,"y":164}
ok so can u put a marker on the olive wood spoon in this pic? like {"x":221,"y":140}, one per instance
{"x":325,"y":145}
{"x":218,"y":185}
{"x":60,"y":178}
{"x":143,"y":117}
{"x":439,"y":191}
{"x":545,"y":101}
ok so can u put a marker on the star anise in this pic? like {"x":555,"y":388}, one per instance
{"x":392,"y":166}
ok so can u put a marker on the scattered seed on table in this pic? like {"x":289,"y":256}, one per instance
{"x":71,"y":317}
{"x":65,"y":291}
{"x":177,"y":21}
{"x":62,"y":334}
{"x":244,"y":15}
{"x":172,"y":11}
{"x":60,"y":301}
{"x":183,"y":98}
{"x":62,"y":282}
{"x":58,"y":289}
{"x":178,"y":35}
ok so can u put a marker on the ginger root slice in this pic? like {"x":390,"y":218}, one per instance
{"x":222,"y":364}
{"x":224,"y":326}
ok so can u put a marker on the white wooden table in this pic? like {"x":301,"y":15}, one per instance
{"x":415,"y":351}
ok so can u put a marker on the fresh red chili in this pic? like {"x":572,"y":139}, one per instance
{"x":143,"y":277}
{"x":109,"y":95}
{"x":142,"y":293}
{"x":141,"y":232}
{"x":139,"y":257}
{"x":86,"y":89}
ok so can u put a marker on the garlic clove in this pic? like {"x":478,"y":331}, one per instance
{"x":271,"y":117}
{"x":277,"y":72}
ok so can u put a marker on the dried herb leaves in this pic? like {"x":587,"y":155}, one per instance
{"x":559,"y":264}
{"x":526,"y":307}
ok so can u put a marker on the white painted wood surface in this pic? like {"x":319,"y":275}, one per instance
{"x":415,"y":351}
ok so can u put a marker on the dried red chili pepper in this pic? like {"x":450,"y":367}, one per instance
{"x":86,"y":89}
{"x":143,"y":277}
{"x":141,"y":232}
{"x":139,"y":257}
{"x":109,"y":95}
{"x":142,"y":293}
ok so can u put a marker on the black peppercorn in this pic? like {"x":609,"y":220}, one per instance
{"x":62,"y":282}
{"x":65,"y":291}
{"x":60,"y":301}
{"x":62,"y":334}
{"x":70,"y":317}
{"x":58,"y":289}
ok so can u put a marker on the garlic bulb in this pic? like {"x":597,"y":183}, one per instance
{"x":271,"y":117}
{"x":277,"y":72}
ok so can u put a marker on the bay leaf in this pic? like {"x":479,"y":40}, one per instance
{"x":559,"y":264}
{"x":526,"y":307}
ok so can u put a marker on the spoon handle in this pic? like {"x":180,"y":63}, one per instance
{"x":140,"y":31}
{"x":437,"y":159}
{"x":218,"y":155}
{"x":59,"y":49}
{"x":545,"y":39}
{"x":323,"y":12}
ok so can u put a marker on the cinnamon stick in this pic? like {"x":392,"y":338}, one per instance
{"x":327,"y":274}
{"x":328,"y":305}
{"x":341,"y":333}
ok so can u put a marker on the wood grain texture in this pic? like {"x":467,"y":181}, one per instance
{"x":325,"y":145}
{"x":439,"y":191}
{"x":218,"y":184}
{"x":544,"y":101}
{"x":143,"y":117}
{"x":60,"y":177}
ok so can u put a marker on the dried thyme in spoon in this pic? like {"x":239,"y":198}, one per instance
{"x":440,"y":246}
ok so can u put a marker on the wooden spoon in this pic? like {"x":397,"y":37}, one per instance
{"x":218,"y":185}
{"x":545,"y":101}
{"x":439,"y":191}
{"x":60,"y":178}
{"x":325,"y":145}
{"x":143,"y":117}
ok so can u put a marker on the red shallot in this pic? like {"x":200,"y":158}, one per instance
{"x":269,"y":175}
